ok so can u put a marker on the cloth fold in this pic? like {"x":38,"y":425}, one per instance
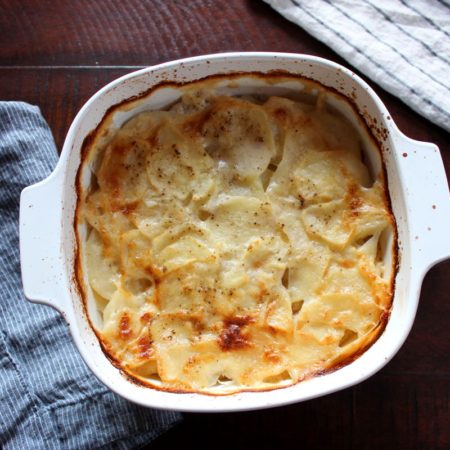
{"x":402,"y":45}
{"x":49,"y":399}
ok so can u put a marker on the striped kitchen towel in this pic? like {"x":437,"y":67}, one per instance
{"x":403,"y":45}
{"x":49,"y":399}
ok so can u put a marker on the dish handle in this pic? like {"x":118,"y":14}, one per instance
{"x":428,"y":201}
{"x":40,"y":253}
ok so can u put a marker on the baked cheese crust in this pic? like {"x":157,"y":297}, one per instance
{"x":235,"y":243}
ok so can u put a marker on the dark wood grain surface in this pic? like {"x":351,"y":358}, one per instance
{"x":57,"y":53}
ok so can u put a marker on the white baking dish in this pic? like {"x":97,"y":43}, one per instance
{"x":417,"y":185}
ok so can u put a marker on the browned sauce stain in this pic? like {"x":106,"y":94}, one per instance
{"x":146,"y":318}
{"x":281,"y":114}
{"x":271,"y":356}
{"x":197,"y":324}
{"x":354,"y":200}
{"x":262,"y":293}
{"x":231,"y":337}
{"x":194,"y":126}
{"x":126,"y":209}
{"x":125,"y":331}
{"x":347,"y":263}
{"x":145,"y":347}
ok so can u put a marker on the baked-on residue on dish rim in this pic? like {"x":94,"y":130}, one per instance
{"x":273,"y":78}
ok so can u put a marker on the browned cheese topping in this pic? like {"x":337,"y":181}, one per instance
{"x":235,"y":243}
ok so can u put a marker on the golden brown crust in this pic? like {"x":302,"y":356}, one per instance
{"x":197,"y":320}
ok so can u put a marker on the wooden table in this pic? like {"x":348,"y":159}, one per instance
{"x":56,"y":54}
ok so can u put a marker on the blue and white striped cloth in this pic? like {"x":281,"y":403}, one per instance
{"x":403,"y":45}
{"x":48,"y":397}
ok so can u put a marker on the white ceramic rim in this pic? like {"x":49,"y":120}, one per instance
{"x":434,"y":247}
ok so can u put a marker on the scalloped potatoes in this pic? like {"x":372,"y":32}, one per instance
{"x":235,"y":243}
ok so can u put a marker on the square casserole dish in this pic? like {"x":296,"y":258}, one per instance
{"x":417,"y":186}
